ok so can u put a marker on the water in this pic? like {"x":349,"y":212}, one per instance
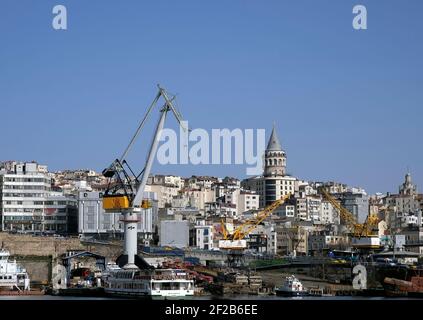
{"x":229,"y":297}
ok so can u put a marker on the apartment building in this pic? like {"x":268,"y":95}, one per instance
{"x":95,"y":222}
{"x":204,"y":235}
{"x":29,"y":205}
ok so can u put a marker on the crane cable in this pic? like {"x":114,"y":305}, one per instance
{"x":140,"y":126}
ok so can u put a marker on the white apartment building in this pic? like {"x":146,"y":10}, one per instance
{"x":204,"y":236}
{"x":165,"y":193}
{"x":169,"y":180}
{"x":286,"y":210}
{"x":328,"y":213}
{"x":196,"y":182}
{"x":314,"y":208}
{"x":222,"y":189}
{"x":271,"y":188}
{"x":27,"y":203}
{"x":301,"y":209}
{"x":243,"y":200}
{"x":180,"y":201}
{"x":247,"y":201}
{"x":305,"y":189}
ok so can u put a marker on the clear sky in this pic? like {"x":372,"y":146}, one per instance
{"x":348,"y":104}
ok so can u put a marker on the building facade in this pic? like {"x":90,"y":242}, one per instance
{"x":204,"y":236}
{"x":95,"y":222}
{"x":175,"y":233}
{"x":29,"y":205}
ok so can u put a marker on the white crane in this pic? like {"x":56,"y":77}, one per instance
{"x":125,"y":194}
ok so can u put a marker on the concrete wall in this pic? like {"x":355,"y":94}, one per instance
{"x":174,"y":233}
{"x":26,"y":245}
{"x":38,"y":269}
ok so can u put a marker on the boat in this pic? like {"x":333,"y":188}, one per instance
{"x":148,"y":283}
{"x":12,"y":276}
{"x":400,"y":288}
{"x":291,"y":287}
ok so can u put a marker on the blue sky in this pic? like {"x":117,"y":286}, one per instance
{"x":347,"y":103}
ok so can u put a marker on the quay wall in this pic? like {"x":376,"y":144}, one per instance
{"x":27,"y":245}
{"x":38,"y":255}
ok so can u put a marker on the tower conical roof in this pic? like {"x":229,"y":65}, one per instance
{"x":274,"y":144}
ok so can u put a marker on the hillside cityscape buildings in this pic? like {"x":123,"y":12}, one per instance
{"x":195,"y":211}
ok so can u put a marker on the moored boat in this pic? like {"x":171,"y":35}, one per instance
{"x":12,"y":276}
{"x":156,"y":283}
{"x":291,"y":287}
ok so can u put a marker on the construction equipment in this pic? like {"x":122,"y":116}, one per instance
{"x":224,"y":231}
{"x":236,"y":240}
{"x":346,"y":216}
{"x":370,"y":225}
{"x":125,"y":190}
{"x":362,"y":233}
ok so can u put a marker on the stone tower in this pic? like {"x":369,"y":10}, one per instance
{"x":408,"y":188}
{"x":274,"y":157}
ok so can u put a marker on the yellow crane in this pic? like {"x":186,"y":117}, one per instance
{"x":349,"y":219}
{"x":236,"y":240}
{"x":358,"y":230}
{"x":370,"y":224}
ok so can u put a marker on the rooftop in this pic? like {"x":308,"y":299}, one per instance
{"x":274,"y":144}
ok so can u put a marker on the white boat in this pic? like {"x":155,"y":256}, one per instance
{"x":12,"y":276}
{"x":154,"y":283}
{"x":291,"y":287}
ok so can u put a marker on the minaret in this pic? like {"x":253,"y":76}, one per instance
{"x":274,"y":157}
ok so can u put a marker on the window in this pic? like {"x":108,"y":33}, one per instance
{"x":90,"y":209}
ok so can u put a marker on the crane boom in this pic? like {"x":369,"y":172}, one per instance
{"x":347,"y":216}
{"x":126,"y":196}
{"x":243,"y":230}
{"x":357,"y":229}
{"x":236,"y":239}
{"x":150,"y":158}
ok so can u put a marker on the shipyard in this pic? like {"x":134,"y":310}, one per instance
{"x":208,"y":159}
{"x":122,"y":234}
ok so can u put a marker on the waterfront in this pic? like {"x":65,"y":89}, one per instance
{"x":215,"y":298}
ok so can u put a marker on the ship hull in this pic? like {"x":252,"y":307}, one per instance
{"x":284,"y":293}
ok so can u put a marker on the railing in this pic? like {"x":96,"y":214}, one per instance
{"x":414,"y":243}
